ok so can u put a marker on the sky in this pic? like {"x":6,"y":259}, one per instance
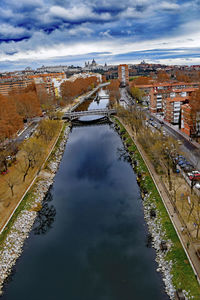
{"x":61,"y":32}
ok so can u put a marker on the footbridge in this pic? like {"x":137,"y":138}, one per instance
{"x":77,"y":114}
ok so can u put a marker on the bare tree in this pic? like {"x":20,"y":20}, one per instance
{"x":196,"y":217}
{"x":176,"y":185}
{"x":12,"y":180}
{"x":191,"y":202}
{"x":32,"y":153}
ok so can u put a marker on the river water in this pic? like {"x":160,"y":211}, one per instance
{"x":89,"y":240}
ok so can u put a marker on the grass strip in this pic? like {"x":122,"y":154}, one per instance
{"x":183,"y":275}
{"x":28,"y":199}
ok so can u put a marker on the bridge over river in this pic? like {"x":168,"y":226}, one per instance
{"x":76,"y":114}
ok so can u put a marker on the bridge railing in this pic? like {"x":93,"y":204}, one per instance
{"x":89,"y":112}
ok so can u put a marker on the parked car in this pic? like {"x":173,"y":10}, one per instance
{"x":180,"y":157}
{"x":183,"y":166}
{"x":179,"y":142}
{"x":195,"y":177}
{"x":181,"y":162}
{"x":197,"y":185}
{"x":188,"y":168}
{"x":192,"y":173}
{"x":4,"y":172}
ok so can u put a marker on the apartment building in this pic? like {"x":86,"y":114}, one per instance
{"x":17,"y":83}
{"x":13,"y":84}
{"x":161,"y":91}
{"x":190,"y":123}
{"x":48,"y":76}
{"x":123,"y":74}
{"x":155,"y":93}
{"x":172,"y":108}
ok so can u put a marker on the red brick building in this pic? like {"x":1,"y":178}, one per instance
{"x":190,"y":121}
{"x":186,"y":119}
{"x":161,"y":91}
{"x":172,"y":108}
{"x":157,"y":92}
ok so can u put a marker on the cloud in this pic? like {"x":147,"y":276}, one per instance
{"x":169,"y":6}
{"x":80,"y":30}
{"x":11,"y":32}
{"x":33,"y":29}
{"x":80,"y":13}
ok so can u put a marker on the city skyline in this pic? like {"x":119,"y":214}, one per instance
{"x":33,"y":33}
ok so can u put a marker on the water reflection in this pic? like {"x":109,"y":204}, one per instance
{"x":46,"y":216}
{"x":96,"y":248}
{"x":85,"y":105}
{"x":123,"y":155}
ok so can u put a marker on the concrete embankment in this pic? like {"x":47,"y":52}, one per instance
{"x":12,"y":246}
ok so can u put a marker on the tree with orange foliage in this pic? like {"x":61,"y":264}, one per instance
{"x":195,"y":100}
{"x":10,"y":121}
{"x":162,"y":76}
{"x":73,"y":89}
{"x":45,"y":99}
{"x":27,"y":102}
{"x":104,"y":79}
{"x":114,"y":92}
{"x":142,"y":80}
{"x":195,"y":110}
{"x":182,"y":77}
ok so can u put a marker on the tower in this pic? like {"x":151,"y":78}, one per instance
{"x":123,"y":74}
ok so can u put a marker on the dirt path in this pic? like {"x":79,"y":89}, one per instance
{"x":8,"y":203}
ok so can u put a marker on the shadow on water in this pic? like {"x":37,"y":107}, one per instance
{"x":46,"y":216}
{"x":123,"y":155}
{"x":85,"y":105}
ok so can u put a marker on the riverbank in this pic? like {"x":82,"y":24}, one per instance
{"x":20,"y":222}
{"x":172,"y":262}
{"x":19,"y":226}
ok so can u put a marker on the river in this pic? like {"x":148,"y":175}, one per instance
{"x":89,"y":240}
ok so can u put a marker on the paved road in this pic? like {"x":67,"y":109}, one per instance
{"x":26,"y":132}
{"x":187,"y":147}
{"x":126,"y":97}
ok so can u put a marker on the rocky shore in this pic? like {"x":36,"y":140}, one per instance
{"x":157,"y":235}
{"x":12,"y":247}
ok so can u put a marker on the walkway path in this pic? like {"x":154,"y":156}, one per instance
{"x":184,"y":237}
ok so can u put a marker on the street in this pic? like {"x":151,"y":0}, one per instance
{"x":187,"y":146}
